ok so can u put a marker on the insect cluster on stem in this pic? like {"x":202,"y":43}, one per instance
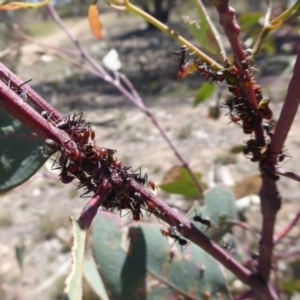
{"x":91,"y":165}
{"x":241,"y":112}
{"x":80,"y":158}
{"x":17,"y":89}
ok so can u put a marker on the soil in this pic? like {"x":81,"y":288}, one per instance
{"x":36,"y":213}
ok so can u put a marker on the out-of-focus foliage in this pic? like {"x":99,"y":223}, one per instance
{"x":178,"y":181}
{"x":21,"y":155}
{"x":205,"y":91}
{"x":137,"y":262}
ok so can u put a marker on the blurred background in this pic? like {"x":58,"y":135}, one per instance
{"x":35,"y":216}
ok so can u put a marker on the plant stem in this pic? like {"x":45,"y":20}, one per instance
{"x":284,"y":17}
{"x":288,"y":112}
{"x":286,"y":173}
{"x":91,"y":207}
{"x":245,"y":226}
{"x":214,"y":30}
{"x":232,"y":31}
{"x":34,"y":98}
{"x":13,"y":104}
{"x":164,"y":28}
{"x":132,"y":95}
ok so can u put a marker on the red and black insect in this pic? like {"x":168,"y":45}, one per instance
{"x":91,"y":164}
{"x":264,"y":109}
{"x":20,"y":92}
{"x":70,"y":121}
{"x":136,"y":212}
{"x":267,"y":127}
{"x":53,"y":146}
{"x":86,"y":182}
{"x":116,"y":163}
{"x":271,"y":174}
{"x":282,"y":156}
{"x":77,"y":128}
{"x":65,"y":176}
{"x":171,"y":232}
{"x":258,"y":152}
{"x":182,"y":68}
{"x":208,"y":72}
{"x":152,"y":185}
{"x":45,"y":115}
{"x":206,"y":222}
{"x":137,"y":175}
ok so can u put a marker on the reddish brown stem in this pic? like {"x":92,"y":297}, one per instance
{"x":132,"y":95}
{"x":270,"y":205}
{"x":91,"y":207}
{"x":245,"y":226}
{"x":288,"y":112}
{"x":270,"y":197}
{"x":187,"y":229}
{"x":288,"y":254}
{"x":232,"y":31}
{"x":22,"y":111}
{"x":34,"y":97}
{"x":13,"y":104}
{"x":286,"y":173}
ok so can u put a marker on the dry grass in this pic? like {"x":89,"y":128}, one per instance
{"x":56,"y":218}
{"x":6,"y":217}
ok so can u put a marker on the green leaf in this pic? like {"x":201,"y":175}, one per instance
{"x":219,"y":207}
{"x":237,"y":149}
{"x":178,"y":181}
{"x":205,"y":91}
{"x":73,"y":289}
{"x":137,"y":262}
{"x":202,"y":31}
{"x":20,"y":253}
{"x":291,"y":286}
{"x":94,"y":279}
{"x":249,"y":19}
{"x":21,"y":156}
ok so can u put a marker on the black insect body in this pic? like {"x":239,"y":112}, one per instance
{"x":182,"y":53}
{"x":171,"y":232}
{"x":206,"y":222}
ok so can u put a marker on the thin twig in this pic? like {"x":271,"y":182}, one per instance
{"x":27,"y":38}
{"x":10,"y":291}
{"x":245,"y":226}
{"x":286,"y":173}
{"x":282,"y":233}
{"x":133,"y":95}
{"x":19,"y":109}
{"x":164,"y":28}
{"x":34,"y":97}
{"x":288,"y":254}
{"x":247,"y":295}
{"x":214,"y":30}
{"x":288,"y":112}
{"x":91,"y":207}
